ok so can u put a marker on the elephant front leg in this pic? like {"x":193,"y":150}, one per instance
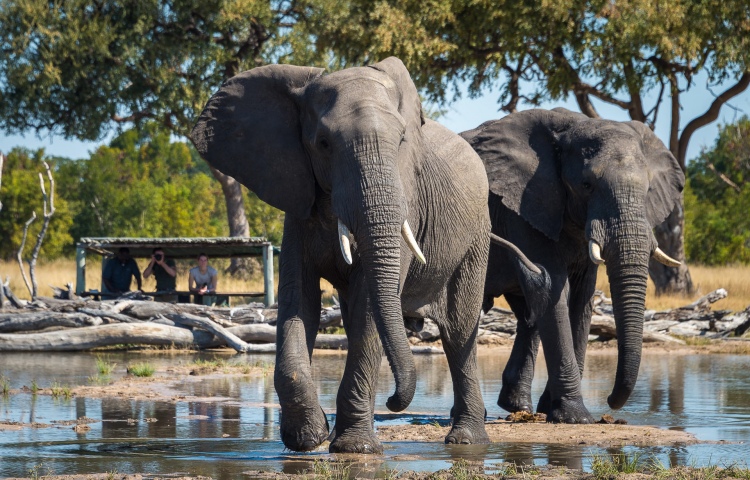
{"x":565,"y":404}
{"x":354,"y":430}
{"x":303,"y":423}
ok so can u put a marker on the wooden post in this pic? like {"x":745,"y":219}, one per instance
{"x":268,"y":274}
{"x":80,"y":269}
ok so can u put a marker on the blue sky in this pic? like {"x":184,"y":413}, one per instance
{"x":467,"y":113}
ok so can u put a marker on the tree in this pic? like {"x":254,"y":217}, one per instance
{"x":21,"y":197}
{"x":717,"y":228}
{"x":81,"y":68}
{"x":643,"y":56}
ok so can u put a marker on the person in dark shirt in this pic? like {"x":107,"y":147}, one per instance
{"x":164,"y":272}
{"x":119,"y":271}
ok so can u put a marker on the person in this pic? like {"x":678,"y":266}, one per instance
{"x":165,"y":273}
{"x":118,"y":273}
{"x":202,"y":281}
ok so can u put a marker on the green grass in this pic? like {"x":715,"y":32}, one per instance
{"x":141,"y":369}
{"x":34,"y":387}
{"x":61,"y":391}
{"x":99,"y":380}
{"x":330,"y":470}
{"x":4,"y":385}
{"x":610,"y":466}
{"x":104,"y":366}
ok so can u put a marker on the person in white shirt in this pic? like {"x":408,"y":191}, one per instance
{"x":202,"y":280}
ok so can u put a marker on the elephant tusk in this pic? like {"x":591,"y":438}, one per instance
{"x":346,"y":249}
{"x":665,"y":259}
{"x":595,"y":252}
{"x":409,"y":237}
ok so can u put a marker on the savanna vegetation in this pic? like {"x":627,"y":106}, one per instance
{"x":84,"y":69}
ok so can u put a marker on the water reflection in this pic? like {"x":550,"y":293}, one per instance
{"x":226,"y":426}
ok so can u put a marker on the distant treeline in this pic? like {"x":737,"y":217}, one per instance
{"x":143,"y":184}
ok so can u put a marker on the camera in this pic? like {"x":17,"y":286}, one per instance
{"x":158,"y":257}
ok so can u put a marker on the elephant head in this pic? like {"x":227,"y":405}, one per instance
{"x":294,"y":136}
{"x":613,"y":181}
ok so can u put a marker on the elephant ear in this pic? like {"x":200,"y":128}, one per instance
{"x":409,"y":103}
{"x":520,"y":156}
{"x":666,"y":178}
{"x":250,"y":130}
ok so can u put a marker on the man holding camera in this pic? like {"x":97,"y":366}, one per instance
{"x":164,"y":272}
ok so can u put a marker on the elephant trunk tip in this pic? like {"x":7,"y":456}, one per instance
{"x":617,"y":402}
{"x":404,"y":394}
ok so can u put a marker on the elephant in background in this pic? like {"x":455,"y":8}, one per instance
{"x":572,"y":192}
{"x":388,"y":206}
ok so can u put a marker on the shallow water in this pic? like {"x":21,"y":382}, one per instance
{"x":707,"y":395}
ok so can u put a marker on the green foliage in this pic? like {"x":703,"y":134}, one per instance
{"x":717,"y":227}
{"x":141,"y":369}
{"x":21,"y":195}
{"x":144,"y":185}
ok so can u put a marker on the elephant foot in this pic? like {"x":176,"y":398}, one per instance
{"x":467,"y":436}
{"x":545,"y":403}
{"x":356,"y":443}
{"x":305,"y":434}
{"x":514,"y":398}
{"x":568,"y":411}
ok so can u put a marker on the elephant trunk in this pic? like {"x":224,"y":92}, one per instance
{"x":627,"y":256}
{"x":377,"y":230}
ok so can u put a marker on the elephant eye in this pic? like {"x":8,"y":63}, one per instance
{"x":323,"y":143}
{"x":587,"y":186}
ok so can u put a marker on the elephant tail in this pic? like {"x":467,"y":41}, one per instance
{"x":516,"y":251}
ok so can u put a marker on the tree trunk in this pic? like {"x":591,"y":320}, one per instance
{"x":670,"y":235}
{"x":236,"y":217}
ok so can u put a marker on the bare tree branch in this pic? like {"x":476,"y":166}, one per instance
{"x":724,"y":178}
{"x":20,"y":251}
{"x":711,"y":114}
{"x":49,"y":210}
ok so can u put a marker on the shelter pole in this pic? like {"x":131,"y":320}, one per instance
{"x":80,"y":269}
{"x":268,"y":274}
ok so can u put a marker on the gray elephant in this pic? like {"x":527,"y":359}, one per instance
{"x":572,"y":192}
{"x":389,"y":207}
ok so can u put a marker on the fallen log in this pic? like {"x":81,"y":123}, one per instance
{"x":26,"y":322}
{"x":195,"y":321}
{"x":604,"y":326}
{"x":108,"y":314}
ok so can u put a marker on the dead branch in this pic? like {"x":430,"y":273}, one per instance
{"x":724,"y":178}
{"x":15,"y":301}
{"x":195,"y":321}
{"x":49,"y":210}
{"x":20,"y":252}
{"x":10,"y":323}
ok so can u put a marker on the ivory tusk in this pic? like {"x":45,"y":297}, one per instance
{"x":595,"y":252}
{"x":665,"y":259}
{"x":409,"y":237}
{"x":346,"y":249}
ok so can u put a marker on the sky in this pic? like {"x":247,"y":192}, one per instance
{"x":467,"y":113}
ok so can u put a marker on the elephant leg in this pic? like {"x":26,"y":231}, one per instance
{"x":515,"y":394}
{"x":564,"y":384}
{"x":582,"y":286}
{"x":354,"y":430}
{"x":458,"y":330}
{"x":303,"y":424}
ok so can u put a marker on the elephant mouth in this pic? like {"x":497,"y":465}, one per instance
{"x":406,"y":233}
{"x":595,"y":254}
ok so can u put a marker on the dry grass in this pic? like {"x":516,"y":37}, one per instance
{"x":60,"y":272}
{"x":735,"y":279}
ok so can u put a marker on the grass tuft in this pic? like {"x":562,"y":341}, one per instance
{"x":610,"y":466}
{"x":141,"y":369}
{"x":104,"y":366}
{"x":330,"y":470}
{"x":4,"y":385}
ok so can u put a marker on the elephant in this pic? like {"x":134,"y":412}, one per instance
{"x":572,"y":192}
{"x":388,"y":206}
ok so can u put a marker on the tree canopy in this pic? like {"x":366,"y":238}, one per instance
{"x":718,"y":199}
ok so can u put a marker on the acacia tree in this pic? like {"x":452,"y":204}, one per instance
{"x":82,"y":68}
{"x":640,"y":55}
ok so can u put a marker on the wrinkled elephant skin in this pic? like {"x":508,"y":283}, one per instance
{"x":572,"y":192}
{"x":350,"y":158}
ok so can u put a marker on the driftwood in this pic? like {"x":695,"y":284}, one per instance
{"x":195,"y":321}
{"x":604,"y":326}
{"x":10,"y":323}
